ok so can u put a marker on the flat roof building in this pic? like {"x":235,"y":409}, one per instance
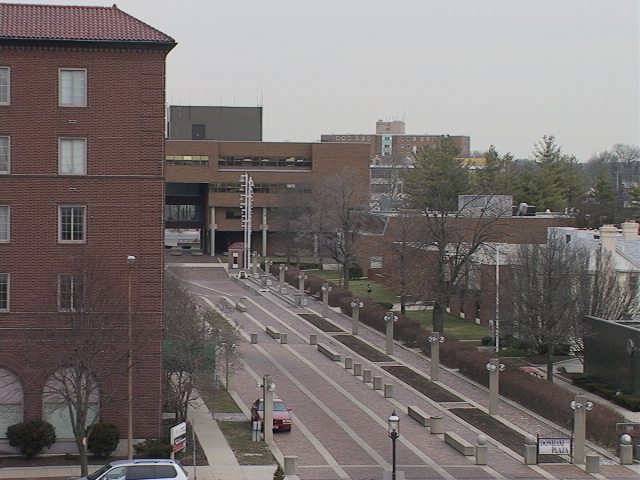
{"x":390,"y":140}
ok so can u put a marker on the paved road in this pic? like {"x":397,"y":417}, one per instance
{"x":340,"y":422}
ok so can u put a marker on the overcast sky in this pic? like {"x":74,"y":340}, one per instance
{"x":504,"y":72}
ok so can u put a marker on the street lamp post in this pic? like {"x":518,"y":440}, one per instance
{"x":282,"y":269}
{"x":130,"y":260}
{"x":579,"y":406}
{"x":495,"y":367}
{"x":389,"y":318}
{"x":325,"y":299}
{"x":268,"y":388}
{"x":394,"y":432}
{"x":301,"y":278}
{"x":435,"y":339}
{"x":355,"y":315}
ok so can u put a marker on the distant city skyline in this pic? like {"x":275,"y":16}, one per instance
{"x":504,"y":72}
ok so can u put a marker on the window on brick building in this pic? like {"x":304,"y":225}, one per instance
{"x":56,"y":396}
{"x":375,"y":261}
{"x":71,"y":224}
{"x":4,"y":86}
{"x":4,"y":293}
{"x":70,"y":292}
{"x":4,"y":223}
{"x":72,"y":87}
{"x":72,"y":156}
{"x":4,"y":155}
{"x":11,"y":400}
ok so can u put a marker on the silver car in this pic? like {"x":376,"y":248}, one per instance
{"x":139,"y":469}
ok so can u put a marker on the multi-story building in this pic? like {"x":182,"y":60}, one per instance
{"x":390,"y":140}
{"x":203,"y":185}
{"x":81,"y":194}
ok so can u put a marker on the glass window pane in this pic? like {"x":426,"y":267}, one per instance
{"x":73,"y":154}
{"x":4,"y":291}
{"x":4,"y":223}
{"x":57,"y":414}
{"x":4,"y":154}
{"x":4,"y":85}
{"x":73,"y":88}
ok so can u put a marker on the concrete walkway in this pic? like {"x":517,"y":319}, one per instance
{"x":222,"y":461}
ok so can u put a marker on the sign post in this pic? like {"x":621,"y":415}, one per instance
{"x":178,"y":438}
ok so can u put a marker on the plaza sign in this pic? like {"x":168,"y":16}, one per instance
{"x":554,"y":446}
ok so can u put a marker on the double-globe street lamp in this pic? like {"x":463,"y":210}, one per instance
{"x":394,"y":432}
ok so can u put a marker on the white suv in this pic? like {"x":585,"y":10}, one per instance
{"x":141,"y":468}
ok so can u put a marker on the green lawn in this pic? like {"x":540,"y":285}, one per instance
{"x":453,"y":324}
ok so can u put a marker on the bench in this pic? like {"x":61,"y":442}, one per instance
{"x":332,"y":354}
{"x":533,"y":371}
{"x":240,"y":305}
{"x":459,"y":443}
{"x":417,"y":414}
{"x":272,"y":332}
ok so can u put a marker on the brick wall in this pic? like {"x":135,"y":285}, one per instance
{"x":123,"y":192}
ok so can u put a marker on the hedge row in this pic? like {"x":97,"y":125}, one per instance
{"x":630,"y":402}
{"x":540,"y":396}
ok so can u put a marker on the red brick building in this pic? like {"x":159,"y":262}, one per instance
{"x":390,"y":139}
{"x":81,"y":189}
{"x":203,"y":184}
{"x":479,"y":292}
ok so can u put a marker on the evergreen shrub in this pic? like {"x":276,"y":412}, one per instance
{"x":31,"y":437}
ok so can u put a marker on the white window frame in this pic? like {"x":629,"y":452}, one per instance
{"x":5,"y":154}
{"x":77,"y":230}
{"x":5,"y":223}
{"x":71,"y":291}
{"x":72,"y":87}
{"x":5,"y":86}
{"x":5,"y":278}
{"x":72,"y":156}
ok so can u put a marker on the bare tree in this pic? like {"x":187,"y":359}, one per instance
{"x":87,"y":347}
{"x":453,"y":231}
{"x":405,"y":275}
{"x":338,"y":214}
{"x":293,"y":205}
{"x":555,"y":285}
{"x":195,"y":339}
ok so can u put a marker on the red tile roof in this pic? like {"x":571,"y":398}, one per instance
{"x":56,"y":22}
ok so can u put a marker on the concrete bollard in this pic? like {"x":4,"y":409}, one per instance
{"x":626,"y":454}
{"x":290,"y":465}
{"x":254,"y":338}
{"x":481,"y":450}
{"x":366,"y":376}
{"x":357,"y":369}
{"x":283,"y":338}
{"x":436,"y":425}
{"x":313,"y":339}
{"x":530,"y":450}
{"x":377,"y":383}
{"x":592,"y":464}
{"x":348,"y":363}
{"x":388,"y":390}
